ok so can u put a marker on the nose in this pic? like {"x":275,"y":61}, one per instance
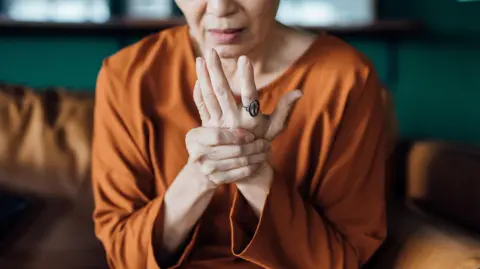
{"x":220,"y":8}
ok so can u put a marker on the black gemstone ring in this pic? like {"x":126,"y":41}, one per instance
{"x":253,"y":108}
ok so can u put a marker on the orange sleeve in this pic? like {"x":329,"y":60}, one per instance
{"x":128,"y":208}
{"x":342,"y":223}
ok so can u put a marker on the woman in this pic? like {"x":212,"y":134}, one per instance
{"x":246,"y":190}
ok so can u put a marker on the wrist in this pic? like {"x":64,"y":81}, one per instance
{"x":200,"y":180}
{"x":255,"y":189}
{"x":263,"y":178}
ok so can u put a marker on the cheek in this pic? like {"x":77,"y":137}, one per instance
{"x":262,"y":13}
{"x":193,"y":11}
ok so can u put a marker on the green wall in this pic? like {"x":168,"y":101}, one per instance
{"x":435,"y":78}
{"x":437,"y":85}
{"x":48,"y":61}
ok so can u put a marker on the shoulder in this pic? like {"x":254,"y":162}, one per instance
{"x":121,"y":73}
{"x":333,"y":55}
{"x":338,"y":70}
{"x":144,"y":51}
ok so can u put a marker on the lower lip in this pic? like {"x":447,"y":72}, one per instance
{"x":225,"y":38}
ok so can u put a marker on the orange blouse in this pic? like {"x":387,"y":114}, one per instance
{"x":326,"y":206}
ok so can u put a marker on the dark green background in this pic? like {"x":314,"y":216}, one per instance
{"x":435,"y":79}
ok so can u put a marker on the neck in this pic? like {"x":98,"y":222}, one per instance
{"x":260,"y":56}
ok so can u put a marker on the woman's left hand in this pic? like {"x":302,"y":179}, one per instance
{"x":217,"y":107}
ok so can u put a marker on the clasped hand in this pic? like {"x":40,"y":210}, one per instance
{"x":232,"y":145}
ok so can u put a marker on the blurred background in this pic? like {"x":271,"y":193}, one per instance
{"x":426,"y":51}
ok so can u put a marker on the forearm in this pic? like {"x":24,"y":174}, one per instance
{"x":255,"y":189}
{"x":184,"y":203}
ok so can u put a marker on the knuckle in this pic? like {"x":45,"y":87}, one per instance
{"x":203,"y":169}
{"x":248,"y":171}
{"x":218,"y":137}
{"x":259,"y":145}
{"x":201,"y":105}
{"x":243,"y":161}
{"x":213,"y":152}
{"x":220,"y":88}
{"x":242,"y":150}
{"x":208,"y":168}
{"x":221,"y":92}
{"x":237,"y":150}
{"x":209,"y":95}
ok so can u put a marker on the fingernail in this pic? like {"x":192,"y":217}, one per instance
{"x":244,"y":60}
{"x":249,"y":137}
{"x":298,"y":94}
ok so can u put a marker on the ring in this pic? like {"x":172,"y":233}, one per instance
{"x":253,"y":108}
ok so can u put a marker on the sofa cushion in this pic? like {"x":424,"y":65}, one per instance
{"x":45,"y":139}
{"x":444,"y":178}
{"x":419,"y":241}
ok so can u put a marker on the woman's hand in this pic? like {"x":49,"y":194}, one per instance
{"x":217,"y":156}
{"x":217,"y":107}
{"x":224,"y":155}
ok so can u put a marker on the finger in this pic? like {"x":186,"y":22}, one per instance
{"x":228,"y":164}
{"x":201,"y":142}
{"x":216,"y":136}
{"x":201,"y":107}
{"x":196,"y":152}
{"x":232,"y":151}
{"x":279,"y":116}
{"x":247,"y":81}
{"x":208,"y":95}
{"x":220,"y":83}
{"x":205,"y":166}
{"x":233,"y":175}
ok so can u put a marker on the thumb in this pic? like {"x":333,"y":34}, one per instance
{"x":279,"y":116}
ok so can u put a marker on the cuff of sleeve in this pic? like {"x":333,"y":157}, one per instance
{"x":187,"y":249}
{"x":155,"y":259}
{"x":252,"y":240}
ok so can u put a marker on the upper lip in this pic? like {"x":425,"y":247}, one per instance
{"x":226,"y":30}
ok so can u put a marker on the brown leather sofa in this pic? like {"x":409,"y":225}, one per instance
{"x":45,"y":136}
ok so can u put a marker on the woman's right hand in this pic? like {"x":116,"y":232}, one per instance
{"x":225,"y":155}
{"x":217,"y":156}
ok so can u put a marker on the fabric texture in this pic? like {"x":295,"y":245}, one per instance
{"x":326,"y":208}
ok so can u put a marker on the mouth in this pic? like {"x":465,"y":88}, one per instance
{"x":226,"y":36}
{"x":226,"y":31}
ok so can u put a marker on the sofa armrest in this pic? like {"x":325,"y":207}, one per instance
{"x":420,"y":241}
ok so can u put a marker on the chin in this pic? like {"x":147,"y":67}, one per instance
{"x":232,"y":51}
